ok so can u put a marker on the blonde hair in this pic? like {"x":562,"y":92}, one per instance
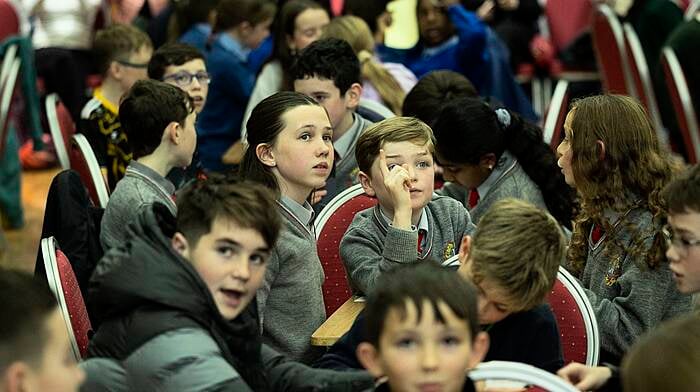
{"x":518,"y":247}
{"x":666,"y":359}
{"x":391,"y":130}
{"x":630,"y":172}
{"x":355,"y":31}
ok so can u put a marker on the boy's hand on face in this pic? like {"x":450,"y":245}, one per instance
{"x":397,"y":181}
{"x":485,"y":11}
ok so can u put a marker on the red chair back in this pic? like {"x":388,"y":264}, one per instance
{"x":9,"y":21}
{"x":578,"y":327}
{"x":556,"y":114}
{"x":682,"y":103}
{"x":64,"y":286}
{"x":566,"y":20}
{"x":640,"y":75}
{"x":609,"y":45}
{"x":61,"y":126}
{"x":82,"y":160}
{"x":331,"y":224}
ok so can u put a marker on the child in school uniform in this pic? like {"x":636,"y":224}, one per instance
{"x":291,"y":152}
{"x":409,"y":223}
{"x":488,"y":155}
{"x":159,"y":121}
{"x":513,"y":259}
{"x":242,"y":25}
{"x":612,"y":157}
{"x":329,"y":72}
{"x":422,"y":331}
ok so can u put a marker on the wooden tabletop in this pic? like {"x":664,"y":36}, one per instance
{"x":340,"y":322}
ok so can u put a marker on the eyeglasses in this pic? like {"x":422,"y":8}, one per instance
{"x":682,"y":245}
{"x":184,"y":79}
{"x":132,"y":65}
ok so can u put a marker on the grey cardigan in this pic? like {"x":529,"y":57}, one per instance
{"x":628,"y":298}
{"x":371,"y":245}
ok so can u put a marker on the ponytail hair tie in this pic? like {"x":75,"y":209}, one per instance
{"x":364,"y":55}
{"x":504,"y":118}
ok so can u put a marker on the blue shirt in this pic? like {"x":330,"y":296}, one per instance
{"x":197,"y":36}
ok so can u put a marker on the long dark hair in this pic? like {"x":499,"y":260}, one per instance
{"x":264,"y":124}
{"x":285,"y":24}
{"x":467,"y":129}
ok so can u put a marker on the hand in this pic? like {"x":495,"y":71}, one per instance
{"x":317,"y":195}
{"x":485,"y":10}
{"x":508,"y":5}
{"x":397,"y":182}
{"x":383,"y":22}
{"x":585,"y":377}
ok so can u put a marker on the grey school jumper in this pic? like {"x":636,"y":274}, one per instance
{"x":346,"y":168}
{"x":371,"y":245}
{"x":507,"y":180}
{"x":138,"y":190}
{"x":627,"y":297}
{"x":290,"y":301}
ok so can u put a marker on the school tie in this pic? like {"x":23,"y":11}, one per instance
{"x":473,"y":198}
{"x":421,"y":236}
{"x":596,"y":233}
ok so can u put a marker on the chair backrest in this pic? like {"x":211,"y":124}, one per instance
{"x":682,"y":103}
{"x":576,"y":320}
{"x":61,"y":126}
{"x":641,"y":75}
{"x":65,"y":288}
{"x":556,"y":114}
{"x":9,"y":20}
{"x":693,"y":8}
{"x":7,"y":88}
{"x":8,"y":57}
{"x":520,"y":373}
{"x":609,"y":45}
{"x":566,"y":20}
{"x":330,"y":225}
{"x":82,"y":160}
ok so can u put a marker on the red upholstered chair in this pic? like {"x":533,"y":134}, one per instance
{"x":61,"y":126}
{"x":682,"y":103}
{"x":82,"y":160}
{"x":556,"y":114}
{"x":64,"y":287}
{"x":9,"y":21}
{"x":609,"y":45}
{"x":331,"y":224}
{"x":577,"y":324}
{"x":8,"y":79}
{"x":641,"y":75}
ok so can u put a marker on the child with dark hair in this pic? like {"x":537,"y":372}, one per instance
{"x":611,"y":155}
{"x":159,"y":121}
{"x":513,"y":259}
{"x":329,"y":72}
{"x":190,"y":22}
{"x":432,"y":91}
{"x":241,"y":26}
{"x":291,"y":152}
{"x":178,"y":299}
{"x":422,"y":330}
{"x":35,"y":351}
{"x":121,"y":55}
{"x":409,"y":224}
{"x":491,"y":155}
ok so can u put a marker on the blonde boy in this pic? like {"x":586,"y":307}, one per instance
{"x":422,"y":331}
{"x":410,"y":223}
{"x":122,"y":53}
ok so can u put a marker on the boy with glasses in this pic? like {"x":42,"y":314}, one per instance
{"x":121,"y":53}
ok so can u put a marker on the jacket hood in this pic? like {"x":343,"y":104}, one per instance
{"x":146,"y":270}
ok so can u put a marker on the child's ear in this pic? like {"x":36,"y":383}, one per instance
{"x":488,"y":161}
{"x":465,"y":246}
{"x":264,"y":153}
{"x":16,"y":377}
{"x":369,"y":358}
{"x":352,"y":96}
{"x":480,"y":346}
{"x":114,"y":70}
{"x":173,"y":132}
{"x":601,"y":149}
{"x":245,"y":28}
{"x":180,"y":244}
{"x":366,"y":183}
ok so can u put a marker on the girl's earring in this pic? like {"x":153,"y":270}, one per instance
{"x":490,"y":167}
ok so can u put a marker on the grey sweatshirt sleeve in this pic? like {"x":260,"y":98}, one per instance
{"x":366,"y":256}
{"x":183,"y":360}
{"x":643,"y":301}
{"x":271,"y":271}
{"x":284,"y":374}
